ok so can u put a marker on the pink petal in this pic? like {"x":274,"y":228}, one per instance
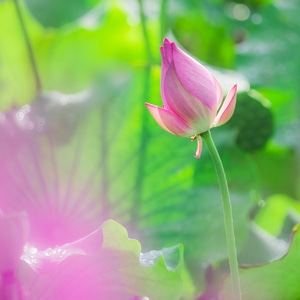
{"x":166,"y":57}
{"x":219,"y":92}
{"x":184,"y":104}
{"x":194,"y":77}
{"x":199,"y":147}
{"x":227,"y":107}
{"x":169,"y":121}
{"x":167,"y":52}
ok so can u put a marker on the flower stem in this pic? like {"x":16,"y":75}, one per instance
{"x":29,"y":47}
{"x":145,"y":31}
{"x":227,"y":212}
{"x":135,"y":213}
{"x":163,"y":19}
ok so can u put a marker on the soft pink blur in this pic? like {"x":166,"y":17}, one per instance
{"x":192,"y":97}
{"x":14,"y":231}
{"x":50,"y":228}
{"x":58,"y":212}
{"x":79,"y":270}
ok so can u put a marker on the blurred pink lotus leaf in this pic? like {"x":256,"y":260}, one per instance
{"x":67,"y":253}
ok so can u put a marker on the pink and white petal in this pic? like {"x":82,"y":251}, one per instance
{"x":166,"y":59}
{"x":194,"y":77}
{"x":166,"y":52}
{"x":227,"y":107}
{"x":219,"y":93}
{"x":184,"y":104}
{"x":199,"y":147}
{"x":169,"y":121}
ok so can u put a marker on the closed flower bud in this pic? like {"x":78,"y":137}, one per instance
{"x":192,"y":97}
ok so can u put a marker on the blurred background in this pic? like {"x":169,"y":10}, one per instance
{"x":97,"y":62}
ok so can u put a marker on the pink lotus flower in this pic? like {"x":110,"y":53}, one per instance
{"x":192,"y":97}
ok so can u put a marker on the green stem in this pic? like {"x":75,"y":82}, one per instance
{"x":29,"y":47}
{"x":144,"y":119}
{"x":227,"y":212}
{"x":163,"y":19}
{"x":145,"y":32}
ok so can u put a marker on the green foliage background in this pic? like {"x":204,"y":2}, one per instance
{"x":141,"y":176}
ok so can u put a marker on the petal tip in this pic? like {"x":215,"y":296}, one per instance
{"x":166,"y":41}
{"x":227,"y":107}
